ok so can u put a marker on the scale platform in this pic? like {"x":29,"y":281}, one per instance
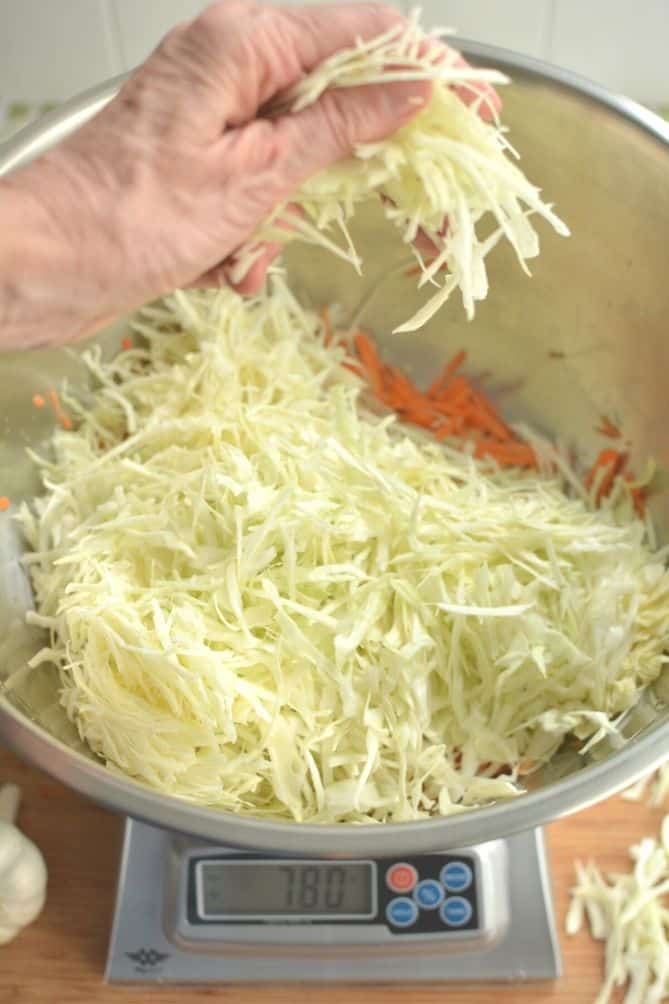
{"x":192,"y":912}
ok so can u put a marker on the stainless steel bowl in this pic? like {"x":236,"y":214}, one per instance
{"x":587,"y":335}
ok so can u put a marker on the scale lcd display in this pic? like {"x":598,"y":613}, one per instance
{"x":229,"y":889}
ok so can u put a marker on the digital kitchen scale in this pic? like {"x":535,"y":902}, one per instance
{"x":188,"y":912}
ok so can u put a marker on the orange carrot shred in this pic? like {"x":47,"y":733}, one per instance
{"x":637,"y":493}
{"x":38,"y":401}
{"x":456,"y":362}
{"x":417,"y":270}
{"x":453,"y":407}
{"x":507,"y":454}
{"x":612,"y":462}
{"x":4,"y":503}
{"x":368,"y":356}
{"x":61,"y":416}
{"x":447,"y":374}
{"x":126,"y":343}
{"x":450,"y":407}
{"x":607,"y":428}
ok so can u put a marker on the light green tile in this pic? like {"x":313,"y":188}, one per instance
{"x":16,"y":114}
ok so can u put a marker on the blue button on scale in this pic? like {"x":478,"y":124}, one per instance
{"x":401,"y":912}
{"x":428,"y":894}
{"x":456,"y":876}
{"x":456,"y":911}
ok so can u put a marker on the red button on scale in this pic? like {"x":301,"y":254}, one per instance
{"x":401,"y":877}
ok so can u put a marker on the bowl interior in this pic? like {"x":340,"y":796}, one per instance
{"x":586,"y":336}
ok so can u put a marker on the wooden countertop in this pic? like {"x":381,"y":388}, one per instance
{"x":60,"y":958}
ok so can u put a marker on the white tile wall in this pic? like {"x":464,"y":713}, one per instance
{"x":52,"y":48}
{"x":623,"y":44}
{"x":142,"y":23}
{"x":514,"y":24}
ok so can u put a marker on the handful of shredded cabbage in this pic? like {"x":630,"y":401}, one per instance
{"x":447,"y":164}
{"x":264,"y":597}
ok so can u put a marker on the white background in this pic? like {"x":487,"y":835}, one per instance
{"x":50,"y":49}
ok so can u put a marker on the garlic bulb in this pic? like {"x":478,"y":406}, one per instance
{"x":22,"y":871}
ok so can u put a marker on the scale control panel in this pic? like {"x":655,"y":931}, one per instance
{"x":430,"y":893}
{"x":414,"y":896}
{"x":188,"y":911}
{"x":226,"y":896}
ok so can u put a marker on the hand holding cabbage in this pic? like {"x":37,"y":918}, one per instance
{"x":162,"y":187}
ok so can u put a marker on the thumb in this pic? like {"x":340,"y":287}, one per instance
{"x":329,"y":129}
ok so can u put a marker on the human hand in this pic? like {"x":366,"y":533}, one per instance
{"x":161,"y":188}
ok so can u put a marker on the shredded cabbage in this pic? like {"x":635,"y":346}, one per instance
{"x":446,"y":164}
{"x":659,"y":788}
{"x":262,"y":596}
{"x":628,"y":912}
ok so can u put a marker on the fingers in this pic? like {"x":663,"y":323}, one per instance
{"x":250,"y":282}
{"x":480,"y":92}
{"x":325,"y":29}
{"x":223,"y":274}
{"x":246,"y":52}
{"x":425,"y":245}
{"x":254,"y":280}
{"x":329,"y":129}
{"x":264,"y":50}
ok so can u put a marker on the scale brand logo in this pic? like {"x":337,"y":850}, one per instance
{"x":147,"y":959}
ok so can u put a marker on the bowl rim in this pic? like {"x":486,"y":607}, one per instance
{"x":92,"y":779}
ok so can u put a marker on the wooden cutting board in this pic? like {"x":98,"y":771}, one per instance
{"x":60,"y":958}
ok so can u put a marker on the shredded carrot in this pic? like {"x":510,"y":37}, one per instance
{"x":417,"y":417}
{"x":374,"y":368}
{"x":38,"y":401}
{"x":513,"y":454}
{"x":455,"y":364}
{"x":447,"y":374}
{"x":126,"y":343}
{"x":607,"y":428}
{"x":61,"y":415}
{"x":455,"y":394}
{"x":637,"y":493}
{"x":417,"y":270}
{"x":612,"y":463}
{"x":450,"y":428}
{"x":452,"y":407}
{"x":525,"y":767}
{"x":4,"y":503}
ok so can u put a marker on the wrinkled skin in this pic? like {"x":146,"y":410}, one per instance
{"x":161,"y":188}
